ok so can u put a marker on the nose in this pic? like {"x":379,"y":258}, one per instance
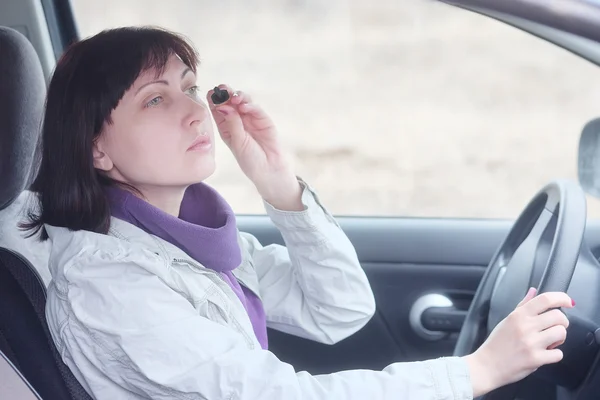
{"x":196,"y":112}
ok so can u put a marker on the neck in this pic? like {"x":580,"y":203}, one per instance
{"x":167,"y":199}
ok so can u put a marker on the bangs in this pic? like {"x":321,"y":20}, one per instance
{"x":158,"y":45}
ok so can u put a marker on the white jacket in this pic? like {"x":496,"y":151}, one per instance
{"x":13,"y":238}
{"x":134,"y":317}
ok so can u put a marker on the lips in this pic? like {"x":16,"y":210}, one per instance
{"x":201,"y":143}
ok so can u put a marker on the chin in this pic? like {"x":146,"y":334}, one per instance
{"x":203,"y":170}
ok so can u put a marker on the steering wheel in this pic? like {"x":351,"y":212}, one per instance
{"x":541,"y":250}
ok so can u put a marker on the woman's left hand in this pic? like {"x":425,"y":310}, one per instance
{"x":252,"y":138}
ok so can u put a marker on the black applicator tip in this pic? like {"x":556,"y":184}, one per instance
{"x":219,"y":96}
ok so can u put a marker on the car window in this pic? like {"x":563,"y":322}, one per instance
{"x":390,"y":108}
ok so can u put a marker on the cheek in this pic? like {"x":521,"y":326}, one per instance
{"x":145,"y":150}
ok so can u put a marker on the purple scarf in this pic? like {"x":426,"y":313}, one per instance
{"x":205,"y":230}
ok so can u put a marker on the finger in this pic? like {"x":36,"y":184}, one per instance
{"x":255,"y":118}
{"x":252,"y":109}
{"x":555,"y":345}
{"x":551,"y":318}
{"x":222,"y":113}
{"x":551,"y":356}
{"x":239,"y":97}
{"x":227,"y":118}
{"x":546,"y":301}
{"x":553,"y":335}
{"x":230,"y":125}
{"x":530,"y":295}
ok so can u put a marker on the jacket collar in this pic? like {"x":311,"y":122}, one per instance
{"x":245,"y":273}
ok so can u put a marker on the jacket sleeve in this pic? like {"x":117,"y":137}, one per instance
{"x":314,"y":287}
{"x":146,"y":338}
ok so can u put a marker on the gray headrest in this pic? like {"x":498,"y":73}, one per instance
{"x":22,"y":95}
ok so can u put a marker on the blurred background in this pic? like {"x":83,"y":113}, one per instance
{"x":391,"y":108}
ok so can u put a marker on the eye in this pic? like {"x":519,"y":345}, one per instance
{"x":193,"y":91}
{"x":154,"y":102}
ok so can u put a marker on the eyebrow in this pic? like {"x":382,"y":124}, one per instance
{"x":162,"y":81}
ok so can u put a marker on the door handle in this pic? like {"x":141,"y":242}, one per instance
{"x":434,"y":317}
{"x":443,"y":319}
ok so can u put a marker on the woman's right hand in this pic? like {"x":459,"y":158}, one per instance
{"x":521,"y":343}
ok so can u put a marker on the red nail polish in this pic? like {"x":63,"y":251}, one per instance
{"x":573,"y":302}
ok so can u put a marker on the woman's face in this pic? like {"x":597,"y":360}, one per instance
{"x":161,"y":133}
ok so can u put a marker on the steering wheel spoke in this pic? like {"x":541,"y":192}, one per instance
{"x":516,"y":277}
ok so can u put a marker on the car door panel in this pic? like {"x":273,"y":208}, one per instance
{"x":404,"y":260}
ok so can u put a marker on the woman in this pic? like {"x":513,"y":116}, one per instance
{"x":155,"y":293}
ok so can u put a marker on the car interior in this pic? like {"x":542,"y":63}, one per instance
{"x":13,"y":384}
{"x":441,"y":284}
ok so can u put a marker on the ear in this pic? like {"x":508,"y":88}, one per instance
{"x":101,"y":159}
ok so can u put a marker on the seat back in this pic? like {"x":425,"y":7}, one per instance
{"x":24,"y":335}
{"x":22,"y":97}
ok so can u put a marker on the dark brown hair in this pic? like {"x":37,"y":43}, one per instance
{"x":89,"y":81}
